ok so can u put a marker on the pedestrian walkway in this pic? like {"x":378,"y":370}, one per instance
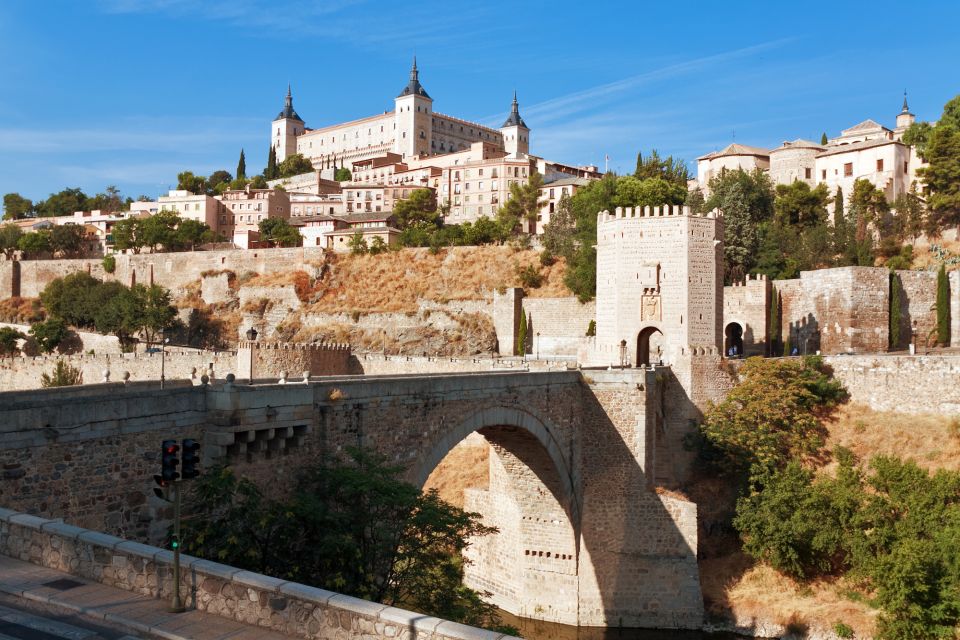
{"x":140,"y":613}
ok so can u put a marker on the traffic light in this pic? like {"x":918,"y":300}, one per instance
{"x":191,"y":458}
{"x":170,"y":461}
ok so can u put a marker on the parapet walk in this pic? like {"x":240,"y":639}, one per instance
{"x":654,"y":212}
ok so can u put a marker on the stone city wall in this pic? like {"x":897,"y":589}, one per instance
{"x":907,"y":384}
{"x":172,"y":270}
{"x":287,"y":607}
{"x":24,"y":372}
{"x":747,"y":303}
{"x":561,"y":323}
{"x":918,"y":307}
{"x":273,"y":360}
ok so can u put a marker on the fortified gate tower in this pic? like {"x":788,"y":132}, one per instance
{"x":659,"y":285}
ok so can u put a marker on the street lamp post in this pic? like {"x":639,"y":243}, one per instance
{"x":538,"y":345}
{"x":163,"y":356}
{"x":251,"y":337}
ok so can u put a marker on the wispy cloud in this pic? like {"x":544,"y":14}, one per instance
{"x":146,"y":135}
{"x":408,"y":25}
{"x":562,"y":107}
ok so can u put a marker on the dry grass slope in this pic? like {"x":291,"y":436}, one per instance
{"x":396,"y":281}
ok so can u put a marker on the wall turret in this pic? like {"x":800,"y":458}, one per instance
{"x":413,"y":108}
{"x":286,"y":127}
{"x":516,"y":134}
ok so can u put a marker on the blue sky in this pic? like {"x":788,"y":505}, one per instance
{"x":129,"y":92}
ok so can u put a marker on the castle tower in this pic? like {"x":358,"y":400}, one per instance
{"x":413,"y":117}
{"x":286,"y":127}
{"x":905,"y":118}
{"x":516,"y":134}
{"x":659,"y":285}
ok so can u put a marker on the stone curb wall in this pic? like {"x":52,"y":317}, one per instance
{"x":287,"y":607}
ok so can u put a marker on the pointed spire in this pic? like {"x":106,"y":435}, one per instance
{"x":514,"y":119}
{"x":288,"y":111}
{"x":905,"y":109}
{"x":414,"y":87}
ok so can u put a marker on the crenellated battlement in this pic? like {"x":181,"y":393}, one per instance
{"x":750,"y":279}
{"x":621,"y":213}
{"x":266,"y":345}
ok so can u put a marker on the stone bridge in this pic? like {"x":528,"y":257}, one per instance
{"x":584,"y":539}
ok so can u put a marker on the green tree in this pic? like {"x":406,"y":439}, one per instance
{"x":109,"y":263}
{"x":653,"y":192}
{"x":357,"y":244}
{"x":259,"y":182}
{"x":823,"y":138}
{"x":896,"y":310}
{"x":218,"y":182}
{"x":352,"y":525}
{"x":943,"y":307}
{"x":696,"y":202}
{"x":559,"y":234}
{"x":187,"y":181}
{"x":63,"y":375}
{"x":271,"y":171}
{"x":522,"y":335}
{"x":342,"y":175}
{"x":159,"y":230}
{"x":798,"y":237}
{"x":67,"y":239}
{"x":586,"y":203}
{"x":775,"y":322}
{"x":746,"y":201}
{"x":75,"y":298}
{"x":279,"y":233}
{"x":9,"y":239}
{"x":917,"y":135}
{"x":294,"y":165}
{"x":378,"y":246}
{"x":155,"y":313}
{"x":910,"y":217}
{"x":9,"y":338}
{"x":189,"y":233}
{"x":129,"y":234}
{"x":670,"y":170}
{"x":771,"y":415}
{"x":16,"y":206}
{"x":418,"y":209}
{"x":242,"y":166}
{"x":523,"y":205}
{"x":942,"y":176}
{"x":109,"y":201}
{"x":868,"y":210}
{"x":50,"y":333}
{"x":34,"y":243}
{"x":64,"y":203}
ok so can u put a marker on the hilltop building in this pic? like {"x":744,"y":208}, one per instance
{"x":867,"y":150}
{"x":467,"y":165}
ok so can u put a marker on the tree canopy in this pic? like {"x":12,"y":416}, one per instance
{"x":16,"y":206}
{"x":294,"y":165}
{"x":420,"y":208}
{"x":279,"y":233}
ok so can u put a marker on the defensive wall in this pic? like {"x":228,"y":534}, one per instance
{"x":589,"y":447}
{"x":906,"y":384}
{"x":291,"y":608}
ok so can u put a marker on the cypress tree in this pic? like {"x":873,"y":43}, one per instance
{"x":896,"y":312}
{"x":522,"y":335}
{"x":840,"y":239}
{"x":271,"y":171}
{"x":774,"y":320}
{"x":943,"y":307}
{"x":823,"y":138}
{"x":242,"y":167}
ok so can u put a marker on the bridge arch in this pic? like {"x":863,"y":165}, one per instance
{"x":486,"y":421}
{"x":733,"y":338}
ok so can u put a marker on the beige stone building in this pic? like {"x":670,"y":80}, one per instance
{"x":867,"y":150}
{"x":202,"y":208}
{"x":552,"y":192}
{"x":244,"y":209}
{"x":469,"y":166}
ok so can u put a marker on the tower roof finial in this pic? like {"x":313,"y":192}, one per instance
{"x":288,"y":111}
{"x":514,"y":119}
{"x":905,"y":109}
{"x":414,"y":87}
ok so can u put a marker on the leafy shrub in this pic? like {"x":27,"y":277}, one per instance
{"x":843,"y":630}
{"x":63,"y":375}
{"x":109,"y":263}
{"x":547,"y":258}
{"x":592,"y":328}
{"x":50,"y":333}
{"x":530,"y":277}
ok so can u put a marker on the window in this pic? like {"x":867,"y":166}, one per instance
{"x":493,"y":185}
{"x":480,"y":185}
{"x":480,"y":173}
{"x":808,"y":172}
{"x":823,"y":174}
{"x":880,"y":164}
{"x":551,"y":197}
{"x":905,"y":166}
{"x":551,"y":208}
{"x":847,"y":169}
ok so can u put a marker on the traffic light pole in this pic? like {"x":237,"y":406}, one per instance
{"x":177,"y":605}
